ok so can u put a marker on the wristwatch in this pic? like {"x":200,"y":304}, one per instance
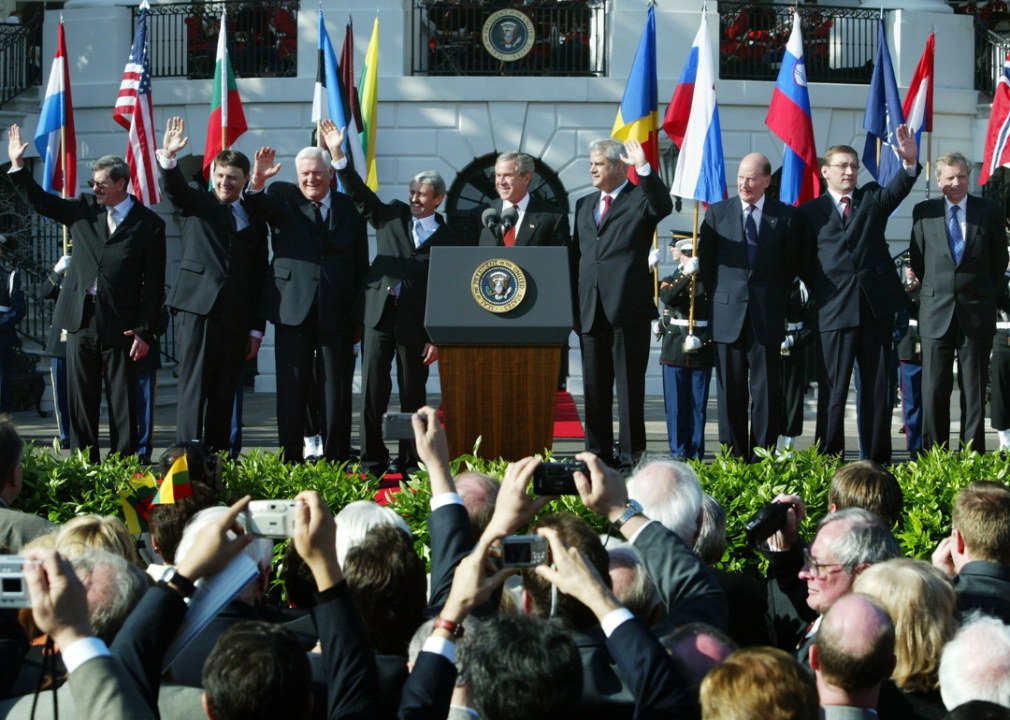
{"x":634,"y":508}
{"x":182,"y":583}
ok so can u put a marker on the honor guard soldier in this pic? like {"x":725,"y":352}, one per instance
{"x":687,"y":358}
{"x":56,"y":349}
{"x":12,"y":308}
{"x":1000,"y":411}
{"x":800,"y":323}
{"x":910,"y":355}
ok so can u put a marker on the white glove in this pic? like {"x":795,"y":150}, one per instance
{"x":691,"y":343}
{"x":690,"y":267}
{"x":788,"y":342}
{"x":654,"y":255}
{"x":804,"y":293}
{"x":657,"y":329}
{"x":63,"y":264}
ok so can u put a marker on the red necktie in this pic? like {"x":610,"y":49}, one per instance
{"x":510,"y":236}
{"x":606,"y":206}
{"x":847,"y":202}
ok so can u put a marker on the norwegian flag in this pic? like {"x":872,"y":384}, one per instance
{"x":135,"y":112}
{"x":997,"y":145}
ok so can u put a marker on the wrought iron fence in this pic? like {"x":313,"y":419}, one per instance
{"x":20,"y":57}
{"x":564,"y":38}
{"x":262,"y":38}
{"x":990,"y":52}
{"x":839,"y":43}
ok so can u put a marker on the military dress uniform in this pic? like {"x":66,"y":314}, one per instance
{"x":56,"y":349}
{"x":910,"y":355}
{"x":798,"y":344}
{"x":1000,"y":368}
{"x":686,"y":375}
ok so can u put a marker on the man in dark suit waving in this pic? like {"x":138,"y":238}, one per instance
{"x":613,"y":236}
{"x":111,"y":297}
{"x":959,"y":253}
{"x":395,"y":293}
{"x":748,"y":256}
{"x":857,"y":291}
{"x":320,"y":261}
{"x":216,"y":294}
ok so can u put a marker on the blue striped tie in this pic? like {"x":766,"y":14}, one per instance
{"x":954,"y":236}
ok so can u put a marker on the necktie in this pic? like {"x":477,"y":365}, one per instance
{"x":319,"y":214}
{"x":112,"y":221}
{"x":233,"y":217}
{"x":752,"y":235}
{"x":606,"y":206}
{"x":419,"y":234}
{"x":510,"y":236}
{"x":954,"y":236}
{"x":847,"y":202}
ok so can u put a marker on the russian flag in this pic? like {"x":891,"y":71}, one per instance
{"x":789,"y":118}
{"x":701,"y":170}
{"x":58,"y":115}
{"x":918,"y":105}
{"x":638,"y":116}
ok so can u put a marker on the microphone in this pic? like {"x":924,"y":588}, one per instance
{"x":490,"y":218}
{"x":509,"y":218}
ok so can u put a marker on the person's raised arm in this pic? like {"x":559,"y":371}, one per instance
{"x":515,"y":507}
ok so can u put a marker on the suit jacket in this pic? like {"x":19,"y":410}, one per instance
{"x":734,"y":286}
{"x":310,"y":268}
{"x":101,"y":692}
{"x":129,"y":264}
{"x":844,"y":712}
{"x":397,"y":260}
{"x":17,"y":529}
{"x":12,"y":306}
{"x":846,"y":257}
{"x":217,"y":260}
{"x":543,"y":226}
{"x":969,"y":288}
{"x":176,"y":702}
{"x":451,"y":539}
{"x":613,"y":259}
{"x":984,"y":586}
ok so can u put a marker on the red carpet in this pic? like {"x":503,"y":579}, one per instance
{"x":566,"y":417}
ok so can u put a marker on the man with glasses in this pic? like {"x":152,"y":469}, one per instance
{"x":110,"y":302}
{"x":857,"y":292}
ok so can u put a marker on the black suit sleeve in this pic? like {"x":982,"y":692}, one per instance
{"x":451,"y":540}
{"x":179,"y":192}
{"x":13,"y":647}
{"x":51,"y":206}
{"x":897,"y":189}
{"x":657,"y":686}
{"x":428,"y":691}
{"x":471,"y":235}
{"x":353,"y":678}
{"x":265,"y":204}
{"x":153,"y":296}
{"x":997,"y":246}
{"x":707,"y":239}
{"x":656,"y":194}
{"x":368,"y":203}
{"x":916,"y":247}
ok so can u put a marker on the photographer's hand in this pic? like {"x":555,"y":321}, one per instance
{"x":59,"y":600}
{"x":475,"y":579}
{"x":515,"y":507}
{"x":213,"y":550}
{"x":605,"y":492}
{"x":786,"y":538}
{"x":316,"y":539}
{"x":574,"y":576}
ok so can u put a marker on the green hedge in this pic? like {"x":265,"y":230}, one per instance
{"x":60,"y":489}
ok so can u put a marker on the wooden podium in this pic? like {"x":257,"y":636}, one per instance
{"x":499,"y":370}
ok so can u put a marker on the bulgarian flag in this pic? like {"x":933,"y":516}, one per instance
{"x":176,"y":484}
{"x":370,"y":108}
{"x":136,"y":502}
{"x":227,"y":120}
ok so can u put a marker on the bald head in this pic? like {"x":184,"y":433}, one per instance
{"x":670,"y":493}
{"x":479,"y":494}
{"x":753,"y":178}
{"x":854,"y":649}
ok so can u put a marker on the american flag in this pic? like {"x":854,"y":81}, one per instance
{"x":135,"y":112}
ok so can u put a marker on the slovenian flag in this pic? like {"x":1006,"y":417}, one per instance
{"x":638,"y":116}
{"x":227,"y":118}
{"x":789,"y":118}
{"x":997,"y":137}
{"x":701,"y":170}
{"x":56,"y":120}
{"x":918,"y":106}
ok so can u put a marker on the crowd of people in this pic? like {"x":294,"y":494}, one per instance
{"x":635,"y":623}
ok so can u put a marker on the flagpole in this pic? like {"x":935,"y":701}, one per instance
{"x":929,"y":159}
{"x":224,"y":86}
{"x":694,"y":254}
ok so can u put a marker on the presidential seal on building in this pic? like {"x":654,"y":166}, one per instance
{"x":498,"y":285}
{"x":508,"y":35}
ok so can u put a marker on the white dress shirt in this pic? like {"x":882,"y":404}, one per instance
{"x":521,"y":205}
{"x":759,"y":207}
{"x":837,"y":198}
{"x":613,"y":195}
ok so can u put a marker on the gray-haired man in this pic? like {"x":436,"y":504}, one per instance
{"x":392,"y":307}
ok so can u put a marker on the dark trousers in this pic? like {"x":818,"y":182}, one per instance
{"x":911,"y":405}
{"x":794,"y":383}
{"x":870,"y":344}
{"x":147,"y":396}
{"x":211,"y":355}
{"x":1000,"y":407}
{"x":235,"y":437}
{"x":298,"y":347}
{"x":6,"y":369}
{"x":746,"y":369}
{"x":938,"y":386}
{"x":89,"y":362}
{"x":685,"y":395}
{"x":58,"y":376}
{"x":615,"y":354}
{"x":379,"y":345}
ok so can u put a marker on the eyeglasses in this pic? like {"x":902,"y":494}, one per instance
{"x":854,"y":167}
{"x":817,"y":568}
{"x":104,"y":183}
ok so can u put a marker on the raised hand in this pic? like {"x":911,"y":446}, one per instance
{"x":214,"y":549}
{"x":316,"y":538}
{"x":573,"y":575}
{"x":907,"y":149}
{"x":635,"y":154}
{"x":475,"y":579}
{"x":515,"y":507}
{"x":334,"y":138}
{"x":59,"y":600}
{"x":263,"y":167}
{"x":175,"y":139}
{"x":16,"y":148}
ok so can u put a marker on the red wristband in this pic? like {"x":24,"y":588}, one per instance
{"x":453,"y":628}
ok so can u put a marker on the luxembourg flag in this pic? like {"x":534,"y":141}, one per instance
{"x":701,"y":170}
{"x":789,"y":118}
{"x":918,"y":105}
{"x":997,"y":137}
{"x":58,"y":115}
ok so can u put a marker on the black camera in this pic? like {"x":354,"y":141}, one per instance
{"x":558,"y":478}
{"x":766,"y":522}
{"x":525,"y":551}
{"x":397,"y":426}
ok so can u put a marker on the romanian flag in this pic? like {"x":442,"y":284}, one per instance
{"x":370,"y":109}
{"x":638,"y":118}
{"x":176,"y":484}
{"x":136,"y":503}
{"x":227,"y":119}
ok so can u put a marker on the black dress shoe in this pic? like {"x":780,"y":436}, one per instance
{"x":144,"y":460}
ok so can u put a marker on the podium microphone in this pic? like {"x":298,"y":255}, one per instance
{"x":490,"y":219}
{"x":509,"y":218}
